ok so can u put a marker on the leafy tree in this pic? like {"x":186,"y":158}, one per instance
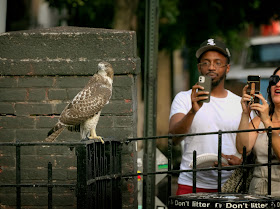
{"x":86,"y":13}
{"x":200,"y":20}
{"x":181,"y":23}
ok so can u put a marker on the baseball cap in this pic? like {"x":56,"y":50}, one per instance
{"x":212,"y":44}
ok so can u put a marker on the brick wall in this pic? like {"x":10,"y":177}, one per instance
{"x":41,"y":70}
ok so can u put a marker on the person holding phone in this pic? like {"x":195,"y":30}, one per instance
{"x":189,"y":114}
{"x":268,"y":115}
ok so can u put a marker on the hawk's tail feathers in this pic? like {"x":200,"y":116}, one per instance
{"x":54,"y":132}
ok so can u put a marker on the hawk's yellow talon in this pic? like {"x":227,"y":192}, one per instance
{"x":97,"y":138}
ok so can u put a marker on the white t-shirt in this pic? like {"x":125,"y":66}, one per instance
{"x":219,"y":114}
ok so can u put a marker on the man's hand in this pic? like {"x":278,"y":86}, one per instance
{"x":196,"y":97}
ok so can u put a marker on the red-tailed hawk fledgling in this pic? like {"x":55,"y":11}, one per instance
{"x":83,"y":112}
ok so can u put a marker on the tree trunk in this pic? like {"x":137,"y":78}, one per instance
{"x":125,"y":14}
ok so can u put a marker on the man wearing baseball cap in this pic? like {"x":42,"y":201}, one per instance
{"x":189,"y":114}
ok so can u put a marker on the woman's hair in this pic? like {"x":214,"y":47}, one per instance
{"x":271,"y":104}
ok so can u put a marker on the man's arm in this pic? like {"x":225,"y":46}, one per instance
{"x":180,"y":124}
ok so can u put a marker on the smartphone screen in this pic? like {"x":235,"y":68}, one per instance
{"x":206,"y":82}
{"x":254,"y":86}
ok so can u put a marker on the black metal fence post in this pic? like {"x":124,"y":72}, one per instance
{"x":18,"y":174}
{"x":169,"y":158}
{"x":118,"y":170}
{"x":81,"y":191}
{"x":245,"y":170}
{"x":269,"y":134}
{"x":220,"y":161}
{"x":112,"y":153}
{"x":50,"y":199}
{"x":115,"y":170}
{"x":194,"y":171}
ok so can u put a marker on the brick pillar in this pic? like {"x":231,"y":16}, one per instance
{"x":43,"y":69}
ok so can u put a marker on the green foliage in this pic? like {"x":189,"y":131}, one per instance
{"x":17,"y":17}
{"x":170,"y":37}
{"x":87,"y":13}
{"x":182,"y":22}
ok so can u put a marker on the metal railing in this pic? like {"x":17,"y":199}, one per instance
{"x":99,"y":169}
{"x":98,"y":174}
{"x":170,"y":172}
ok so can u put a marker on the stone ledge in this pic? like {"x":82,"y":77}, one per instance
{"x":44,"y":66}
{"x":68,"y":42}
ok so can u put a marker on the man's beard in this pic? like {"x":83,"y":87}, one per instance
{"x":216,"y":83}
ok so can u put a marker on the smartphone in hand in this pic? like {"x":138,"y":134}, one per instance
{"x":254,"y":86}
{"x":206,"y":82}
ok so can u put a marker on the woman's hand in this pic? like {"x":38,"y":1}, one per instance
{"x":246,"y":99}
{"x":263,"y":109}
{"x":232,"y":160}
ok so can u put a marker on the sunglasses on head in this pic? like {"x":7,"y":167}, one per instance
{"x":273,"y":80}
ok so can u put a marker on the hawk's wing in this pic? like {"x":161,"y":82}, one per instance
{"x":88,"y":101}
